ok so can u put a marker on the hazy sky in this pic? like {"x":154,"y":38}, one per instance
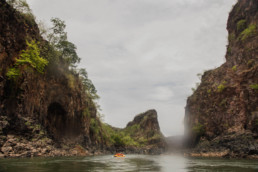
{"x":143,"y":54}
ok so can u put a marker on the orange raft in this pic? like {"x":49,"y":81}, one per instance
{"x":119,"y":155}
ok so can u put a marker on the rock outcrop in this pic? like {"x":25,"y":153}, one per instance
{"x":142,"y":135}
{"x":222,"y":114}
{"x":148,"y":130}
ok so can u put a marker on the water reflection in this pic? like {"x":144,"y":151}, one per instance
{"x":227,"y":165}
{"x":131,"y":163}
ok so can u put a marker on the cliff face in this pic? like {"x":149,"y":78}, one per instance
{"x":40,"y":111}
{"x":142,"y":135}
{"x":50,"y":113}
{"x":147,"y":130}
{"x":222,"y":114}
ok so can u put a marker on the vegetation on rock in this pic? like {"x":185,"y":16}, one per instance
{"x":198,"y":129}
{"x":29,"y":58}
{"x":241,"y":24}
{"x":254,"y":86}
{"x":248,"y":32}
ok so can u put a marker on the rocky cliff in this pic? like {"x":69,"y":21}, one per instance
{"x":145,"y":129}
{"x":39,"y":112}
{"x":44,"y":112}
{"x":221,"y":116}
{"x":142,"y":135}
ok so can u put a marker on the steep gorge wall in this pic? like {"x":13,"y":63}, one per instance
{"x":36,"y":106}
{"x":222,"y":114}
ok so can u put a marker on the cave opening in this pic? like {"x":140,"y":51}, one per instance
{"x":60,"y":125}
{"x":56,"y":120}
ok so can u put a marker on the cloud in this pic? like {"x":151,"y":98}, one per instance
{"x":144,"y":54}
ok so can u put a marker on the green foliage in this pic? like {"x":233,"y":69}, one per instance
{"x":254,"y":86}
{"x":86,"y":113}
{"x":13,"y":73}
{"x":221,"y":86}
{"x":129,"y":141}
{"x":51,"y":54}
{"x":88,"y":85}
{"x":250,"y":62}
{"x":209,"y":91}
{"x":29,"y":58}
{"x":198,"y":129}
{"x":231,"y":37}
{"x":234,"y":68}
{"x":60,"y":49}
{"x":28,"y":124}
{"x":94,"y":127}
{"x":229,"y":50}
{"x":71,"y":80}
{"x":132,"y":129}
{"x":241,"y":24}
{"x":142,"y":140}
{"x":58,"y":39}
{"x":248,"y":32}
{"x":156,"y":136}
{"x":118,"y":137}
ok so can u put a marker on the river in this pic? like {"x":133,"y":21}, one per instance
{"x":131,"y":163}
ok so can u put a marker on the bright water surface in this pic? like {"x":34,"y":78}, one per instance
{"x":131,"y":163}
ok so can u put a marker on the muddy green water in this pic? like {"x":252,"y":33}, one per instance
{"x":131,"y":163}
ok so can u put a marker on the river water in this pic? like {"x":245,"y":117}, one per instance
{"x":131,"y":163}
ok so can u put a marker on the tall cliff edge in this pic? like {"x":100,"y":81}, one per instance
{"x":221,"y":117}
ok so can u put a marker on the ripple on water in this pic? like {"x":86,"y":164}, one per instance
{"x":131,"y":163}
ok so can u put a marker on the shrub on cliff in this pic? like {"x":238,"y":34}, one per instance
{"x":221,"y":86}
{"x":198,"y":129}
{"x":241,"y":24}
{"x":29,"y":58}
{"x":254,"y":86}
{"x":248,"y":32}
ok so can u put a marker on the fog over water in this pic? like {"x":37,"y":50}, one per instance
{"x":143,"y":54}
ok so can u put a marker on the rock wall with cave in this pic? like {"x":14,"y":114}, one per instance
{"x":221,"y":116}
{"x":42,"y":111}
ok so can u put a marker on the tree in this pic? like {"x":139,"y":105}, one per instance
{"x":58,"y":39}
{"x":88,"y":85}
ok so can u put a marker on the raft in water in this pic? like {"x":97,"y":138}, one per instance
{"x":119,"y":155}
